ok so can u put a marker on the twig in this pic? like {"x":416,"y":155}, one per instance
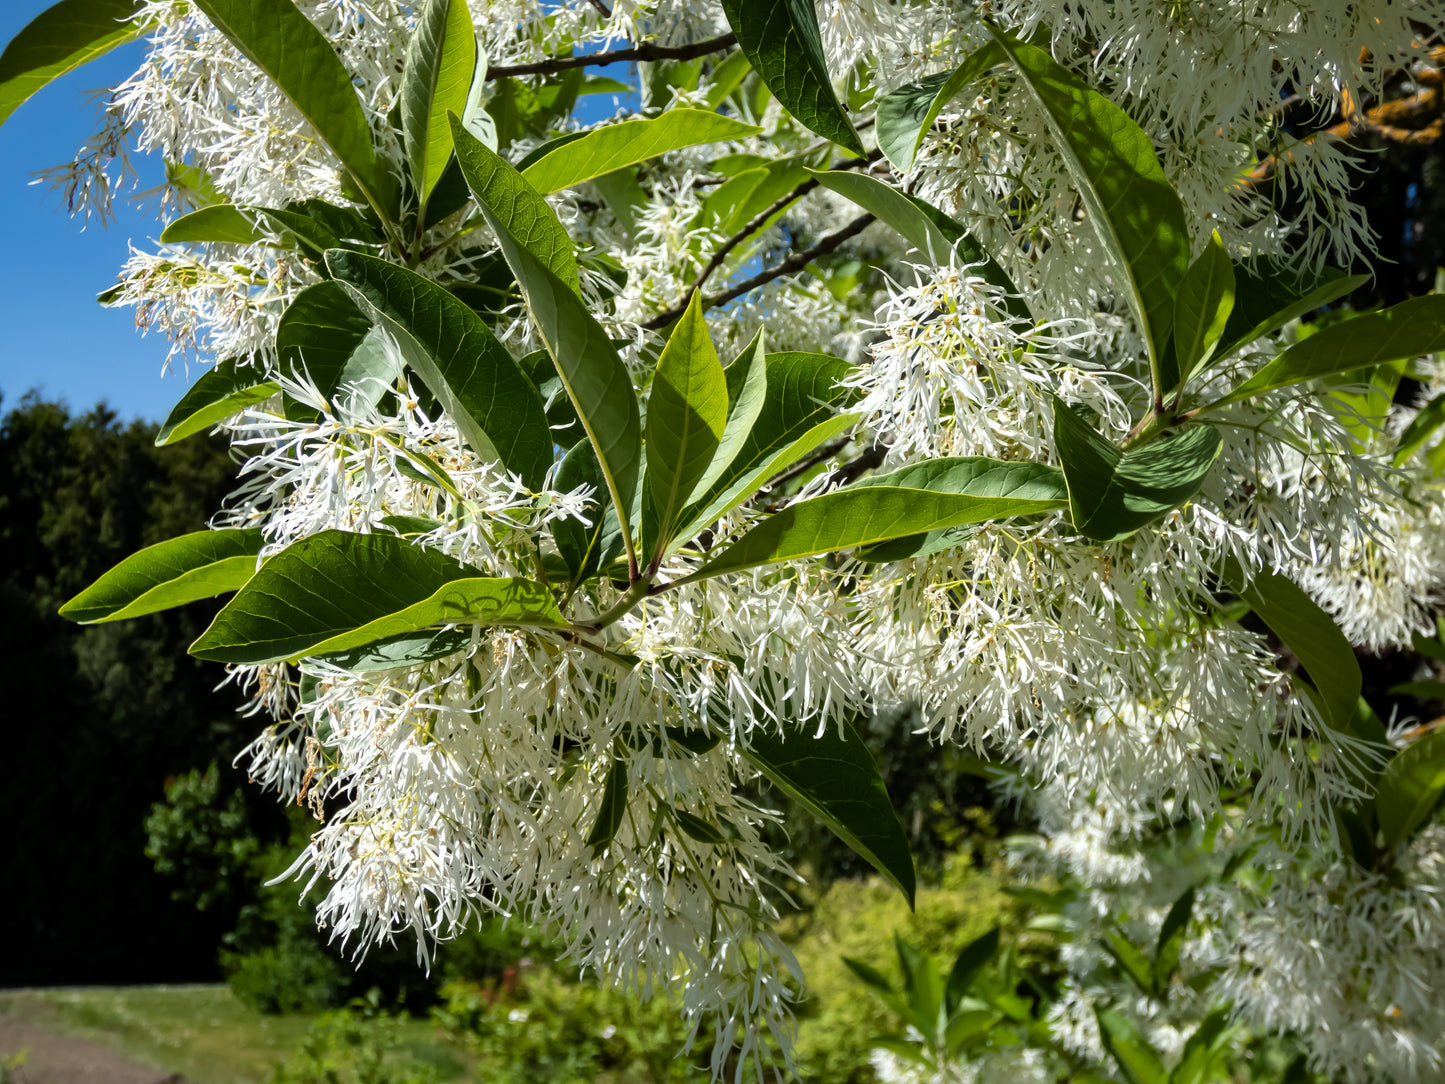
{"x":601,"y":7}
{"x":645,"y":51}
{"x":796,"y":262}
{"x":826,"y":452}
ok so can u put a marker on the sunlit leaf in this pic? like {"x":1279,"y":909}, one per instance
{"x":225,"y":389}
{"x":60,"y":39}
{"x":905,"y":114}
{"x":169,"y":574}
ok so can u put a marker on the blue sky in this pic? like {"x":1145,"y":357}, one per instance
{"x":56,"y":337}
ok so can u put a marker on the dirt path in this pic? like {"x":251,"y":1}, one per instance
{"x":56,"y":1058}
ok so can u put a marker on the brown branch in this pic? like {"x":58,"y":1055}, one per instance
{"x":645,"y":51}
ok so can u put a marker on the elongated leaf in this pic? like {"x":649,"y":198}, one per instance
{"x":1410,"y":787}
{"x":869,"y":975}
{"x":494,"y":404}
{"x":834,"y":776}
{"x":226,"y":389}
{"x":1429,"y":689}
{"x":60,"y":39}
{"x":747,"y":390}
{"x":614,"y":146}
{"x":697,"y":828}
{"x":1130,"y":203}
{"x":318,"y":335}
{"x":283,"y":43}
{"x":782,"y":42}
{"x":221,"y":222}
{"x":1315,"y":640}
{"x":169,"y":574}
{"x":408,"y":649}
{"x":1132,"y":960}
{"x":612,"y":809}
{"x":1406,"y":330}
{"x":519,"y":208}
{"x":596,"y":380}
{"x":1139,"y":1063}
{"x":800,"y":398}
{"x":1203,"y":1058}
{"x":335,"y":590}
{"x":863,"y":515}
{"x":1113,"y":493}
{"x":440,"y":61}
{"x":582,"y":545}
{"x":969,"y":962}
{"x":1422,"y":427}
{"x":923,"y":226}
{"x":1171,"y":940}
{"x":1201,"y":311}
{"x":686,"y":415}
{"x":1268,"y":295}
{"x":908,"y":112}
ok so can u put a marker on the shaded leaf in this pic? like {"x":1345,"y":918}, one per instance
{"x":60,"y":39}
{"x":969,"y":962}
{"x":1133,"y":961}
{"x":1201,"y":311}
{"x":582,"y":546}
{"x":1410,"y":787}
{"x":1139,"y":1064}
{"x":905,"y":114}
{"x":1424,"y":425}
{"x":1171,"y":939}
{"x":318,"y":334}
{"x":611,"y":809}
{"x":1268,"y":295}
{"x":697,"y":828}
{"x":408,"y":649}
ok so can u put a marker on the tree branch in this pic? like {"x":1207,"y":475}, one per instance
{"x":646,"y":51}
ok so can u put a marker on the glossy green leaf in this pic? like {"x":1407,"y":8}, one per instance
{"x":495,"y":405}
{"x":335,"y":591}
{"x":1410,"y":787}
{"x":861,"y":515}
{"x":1138,"y":1063}
{"x":316,"y":226}
{"x":1424,"y":425}
{"x":905,"y":114}
{"x":833,"y":775}
{"x":596,"y":380}
{"x":697,"y":828}
{"x":869,"y":975}
{"x":225,"y":389}
{"x":726,"y":77}
{"x":408,"y":649}
{"x":1406,"y":330}
{"x":612,"y":809}
{"x":318,"y":335}
{"x":283,"y":43}
{"x":518,"y":208}
{"x":1268,"y":295}
{"x":1315,"y":639}
{"x":923,"y":226}
{"x":60,"y":39}
{"x":1112,"y":493}
{"x":582,"y":546}
{"x":1201,"y":311}
{"x":440,"y":61}
{"x":1126,"y":196}
{"x":966,"y":966}
{"x":747,"y":390}
{"x":1131,"y":959}
{"x":782,"y":42}
{"x":686,"y":414}
{"x":614,"y":146}
{"x":1204,"y":1057}
{"x":169,"y":574}
{"x":800,"y":398}
{"x":221,"y":223}
{"x":1171,"y":940}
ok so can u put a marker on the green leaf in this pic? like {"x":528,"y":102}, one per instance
{"x":747,"y":389}
{"x":495,"y":405}
{"x":582,"y":545}
{"x":169,"y":574}
{"x":1203,"y":1057}
{"x":969,"y":962}
{"x":686,"y":416}
{"x":283,"y":43}
{"x":1406,"y":330}
{"x":596,"y":380}
{"x":1171,"y":940}
{"x":801,"y":393}
{"x":318,"y":335}
{"x":1133,"y":961}
{"x":923,"y":226}
{"x":965,"y":1028}
{"x":697,"y":828}
{"x":1139,"y":1064}
{"x":861,"y":515}
{"x":1113,"y":493}
{"x":905,"y":114}
{"x":1424,"y":425}
{"x":1201,"y":311}
{"x":1128,"y":200}
{"x":1432,"y":689}
{"x":518,"y":208}
{"x":782,"y":42}
{"x":1315,"y":639}
{"x":220,"y":223}
{"x":834,"y":776}
{"x":408,"y":649}
{"x":316,"y":226}
{"x":227,"y":388}
{"x":335,"y":590}
{"x":612,"y":808}
{"x":1410,"y":787}
{"x":440,"y":61}
{"x":962,"y":474}
{"x":60,"y":39}
{"x":726,"y":77}
{"x":1268,"y":295}
{"x":614,"y":146}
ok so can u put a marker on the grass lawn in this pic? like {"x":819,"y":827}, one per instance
{"x":201,"y":1032}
